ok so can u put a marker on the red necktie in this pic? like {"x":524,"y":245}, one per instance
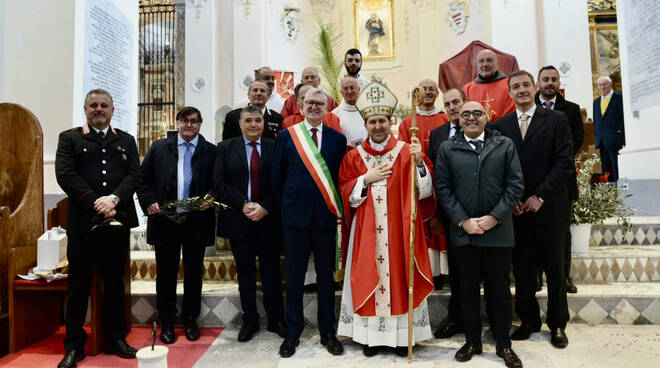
{"x":255,"y":162}
{"x":316,"y":142}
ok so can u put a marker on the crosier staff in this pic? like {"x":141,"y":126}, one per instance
{"x":416,"y":99}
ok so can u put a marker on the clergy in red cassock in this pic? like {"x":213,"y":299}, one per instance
{"x":429,"y":117}
{"x":310,"y":76}
{"x":329,"y":119}
{"x":490,"y":88}
{"x":374,"y":182}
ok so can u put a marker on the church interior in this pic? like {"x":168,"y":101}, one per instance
{"x":157,"y":56}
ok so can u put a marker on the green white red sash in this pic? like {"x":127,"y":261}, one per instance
{"x":318,"y":169}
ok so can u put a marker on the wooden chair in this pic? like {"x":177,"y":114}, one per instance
{"x":33,"y":296}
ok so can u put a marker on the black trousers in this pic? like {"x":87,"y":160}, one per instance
{"x":107,"y":248}
{"x":168,"y":256}
{"x":567,"y":253}
{"x":610,"y":163}
{"x":298,"y":245}
{"x":543,"y":243}
{"x":454,"y":313}
{"x":493,"y":265}
{"x":258,"y":243}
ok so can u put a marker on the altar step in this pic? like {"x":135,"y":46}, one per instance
{"x":620,"y":263}
{"x":595,"y":303}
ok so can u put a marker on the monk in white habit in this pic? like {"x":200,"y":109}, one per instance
{"x":375,"y":187}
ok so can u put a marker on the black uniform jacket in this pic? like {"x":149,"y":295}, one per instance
{"x":88,"y":167}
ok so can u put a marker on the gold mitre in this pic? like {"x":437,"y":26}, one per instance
{"x":376,"y":99}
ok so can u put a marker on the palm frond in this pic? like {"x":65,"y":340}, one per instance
{"x":328,"y":65}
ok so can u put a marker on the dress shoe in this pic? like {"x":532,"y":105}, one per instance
{"x":247,"y":331}
{"x":558,"y":338}
{"x":192,"y":330}
{"x":71,"y":358}
{"x":523,"y":332}
{"x":278,"y":328}
{"x":466,"y":352}
{"x":447,"y":329}
{"x":167,"y":335}
{"x":570,"y":287}
{"x":511,"y":360}
{"x":401,"y":351}
{"x":121,"y":349}
{"x":288,"y":347}
{"x":369,"y":351}
{"x":329,"y":340}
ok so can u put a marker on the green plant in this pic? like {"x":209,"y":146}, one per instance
{"x":597,"y":201}
{"x":328,"y":65}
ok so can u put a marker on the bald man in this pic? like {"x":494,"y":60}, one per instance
{"x":352,"y":123}
{"x":490,"y":87}
{"x":309,"y":76}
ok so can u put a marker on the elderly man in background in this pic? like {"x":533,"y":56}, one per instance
{"x":311,"y":77}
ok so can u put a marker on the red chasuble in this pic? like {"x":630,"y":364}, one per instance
{"x":364,"y":272}
{"x":435,"y":239}
{"x":493,"y":96}
{"x":425,"y":124}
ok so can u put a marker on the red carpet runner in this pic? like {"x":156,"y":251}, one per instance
{"x":49,"y":352}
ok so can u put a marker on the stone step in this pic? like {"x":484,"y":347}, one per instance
{"x":644,"y":231}
{"x":622,"y":263}
{"x":595,"y":303}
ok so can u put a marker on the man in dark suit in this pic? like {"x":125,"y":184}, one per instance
{"x":178,"y":168}
{"x":453,"y":100}
{"x":97,"y":166}
{"x":242,"y":181}
{"x":609,"y":127}
{"x":258,"y":95}
{"x":309,"y":223}
{"x":550,"y":98}
{"x":543,"y":142}
{"x":479,"y":203}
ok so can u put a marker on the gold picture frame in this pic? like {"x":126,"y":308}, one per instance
{"x":374,"y":29}
{"x":604,"y":42}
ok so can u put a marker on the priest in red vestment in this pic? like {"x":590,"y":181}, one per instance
{"x":311,"y":77}
{"x":429,"y":117}
{"x":490,"y":88}
{"x":375,"y":187}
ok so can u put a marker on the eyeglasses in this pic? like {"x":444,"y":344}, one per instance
{"x":184,"y":121}
{"x":315,"y":103}
{"x":476,"y":113}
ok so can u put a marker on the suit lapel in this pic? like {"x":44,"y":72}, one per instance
{"x":444,"y":132}
{"x":239,"y":150}
{"x":511,"y":124}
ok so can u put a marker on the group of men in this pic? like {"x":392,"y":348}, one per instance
{"x":338,"y":185}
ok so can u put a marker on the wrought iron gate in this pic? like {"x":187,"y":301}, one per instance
{"x":157,"y":96}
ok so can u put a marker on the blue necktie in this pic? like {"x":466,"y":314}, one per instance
{"x":187,"y":170}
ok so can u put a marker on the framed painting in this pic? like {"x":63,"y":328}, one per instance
{"x":604,"y":39}
{"x":374,"y":29}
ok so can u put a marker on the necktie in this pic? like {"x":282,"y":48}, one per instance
{"x":477,"y":145}
{"x":454,"y":130}
{"x":523,"y":125}
{"x":604,"y":102}
{"x":255,"y":162}
{"x":101,"y":134}
{"x":316,"y":142}
{"x":187,"y":170}
{"x":548,"y":105}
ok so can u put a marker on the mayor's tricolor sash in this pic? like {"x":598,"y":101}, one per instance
{"x":318,"y":169}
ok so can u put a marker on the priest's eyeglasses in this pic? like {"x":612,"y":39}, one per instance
{"x":476,"y":113}
{"x":195,"y":122}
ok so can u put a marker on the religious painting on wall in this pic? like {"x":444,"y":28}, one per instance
{"x":604,"y":39}
{"x":374,"y":29}
{"x":284,"y":83}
